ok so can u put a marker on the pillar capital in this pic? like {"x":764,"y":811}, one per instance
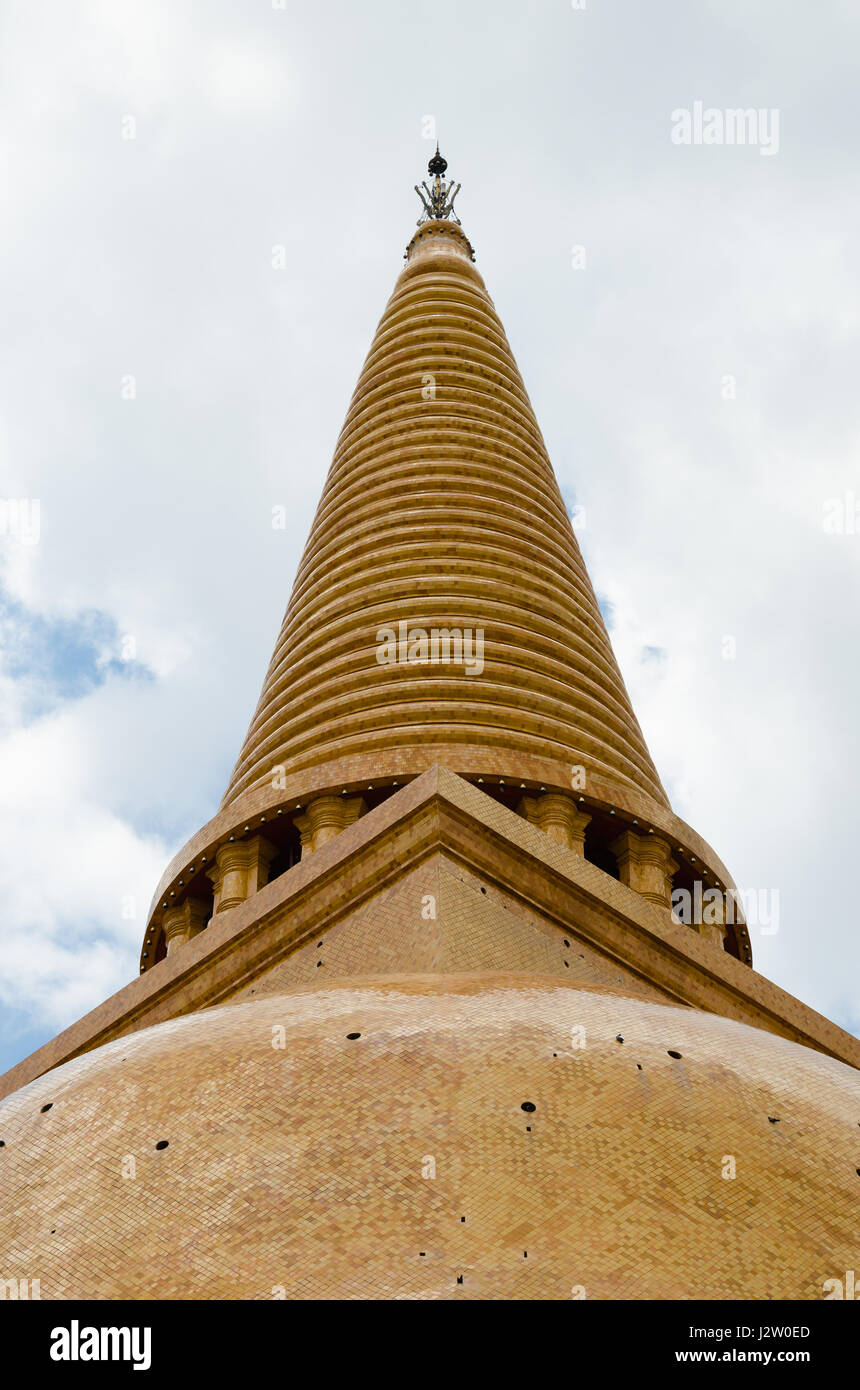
{"x":184,"y":921}
{"x":558,"y":816}
{"x":241,"y":869}
{"x":325,"y":817}
{"x":645,"y":864}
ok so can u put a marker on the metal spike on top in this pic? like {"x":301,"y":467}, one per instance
{"x":439,"y":202}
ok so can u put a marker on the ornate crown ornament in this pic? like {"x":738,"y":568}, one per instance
{"x":439,"y":202}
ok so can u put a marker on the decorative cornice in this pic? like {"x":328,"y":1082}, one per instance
{"x":263,"y":805}
{"x":441,"y":811}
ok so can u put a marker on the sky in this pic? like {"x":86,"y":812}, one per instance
{"x":205,"y":210}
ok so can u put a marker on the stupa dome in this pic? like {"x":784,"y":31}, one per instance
{"x":472,"y":1136}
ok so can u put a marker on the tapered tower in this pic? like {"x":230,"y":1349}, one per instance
{"x":415,"y":1014}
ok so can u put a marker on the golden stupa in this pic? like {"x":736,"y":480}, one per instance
{"x":415,"y":1017}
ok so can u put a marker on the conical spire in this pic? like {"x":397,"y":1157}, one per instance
{"x":441,"y":513}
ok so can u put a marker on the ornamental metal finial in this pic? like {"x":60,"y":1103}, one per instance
{"x":439,"y":202}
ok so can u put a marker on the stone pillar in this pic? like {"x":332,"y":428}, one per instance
{"x":241,"y":868}
{"x":713,"y":924}
{"x":559,"y":817}
{"x":646,"y":865}
{"x":326,"y":817}
{"x":184,"y":921}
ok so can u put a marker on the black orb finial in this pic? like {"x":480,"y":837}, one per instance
{"x":437,"y":164}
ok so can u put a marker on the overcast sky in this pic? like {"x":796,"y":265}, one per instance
{"x":696,"y":380}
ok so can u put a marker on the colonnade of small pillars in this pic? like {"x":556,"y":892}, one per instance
{"x":645,"y":861}
{"x":241,"y":867}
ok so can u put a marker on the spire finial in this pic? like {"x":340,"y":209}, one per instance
{"x":437,"y":164}
{"x":439,"y":202}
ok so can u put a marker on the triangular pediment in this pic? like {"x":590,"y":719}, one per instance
{"x":506,"y":898}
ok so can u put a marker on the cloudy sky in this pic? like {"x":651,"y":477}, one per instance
{"x":694,"y":367}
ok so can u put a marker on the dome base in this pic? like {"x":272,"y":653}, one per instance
{"x":473,"y":1136}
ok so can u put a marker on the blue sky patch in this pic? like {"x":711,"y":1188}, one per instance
{"x":59,"y":657}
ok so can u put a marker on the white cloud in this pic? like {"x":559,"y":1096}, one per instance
{"x":75,"y":880}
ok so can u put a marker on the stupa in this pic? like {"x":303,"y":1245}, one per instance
{"x":415,"y":1016}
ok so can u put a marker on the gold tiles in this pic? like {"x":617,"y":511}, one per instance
{"x":530,"y":1139}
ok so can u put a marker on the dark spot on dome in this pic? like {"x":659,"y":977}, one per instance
{"x":352,"y":1036}
{"x":528,"y":1106}
{"x":459,"y":1278}
{"x":47,"y":1107}
{"x":638,"y":1066}
{"x":676,"y":1055}
{"x":774,"y":1119}
{"x":162,"y":1143}
{"x":567,"y":943}
{"x":618,"y":1037}
{"x":483,"y":890}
